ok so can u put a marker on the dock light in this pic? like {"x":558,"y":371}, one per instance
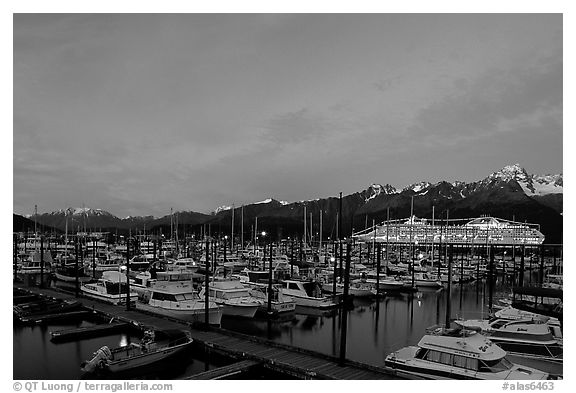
{"x":332,"y":259}
{"x":263,"y":233}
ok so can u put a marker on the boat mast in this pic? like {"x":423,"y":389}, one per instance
{"x":36,"y":227}
{"x":320,"y":241}
{"x":304,"y":226}
{"x":242,"y":228}
{"x":232,"y":237}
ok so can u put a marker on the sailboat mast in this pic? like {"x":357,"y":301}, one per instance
{"x":232,"y":235}
{"x":320,"y":241}
{"x":304,"y":225}
{"x":311,"y":233}
{"x":242,"y":227}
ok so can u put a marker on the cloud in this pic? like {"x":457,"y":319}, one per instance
{"x":494,"y":102}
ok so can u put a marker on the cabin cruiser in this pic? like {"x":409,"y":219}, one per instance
{"x":280,"y":303}
{"x":357,"y":288}
{"x":104,"y":262}
{"x":526,"y":338}
{"x":233,"y":297}
{"x":182,"y":264}
{"x":513,"y":314}
{"x":141,"y":262}
{"x":111,"y":288}
{"x":307,"y":294}
{"x":458,"y":354}
{"x":154,"y":347}
{"x":178,"y":299}
{"x":423,"y":280}
{"x":32,"y":263}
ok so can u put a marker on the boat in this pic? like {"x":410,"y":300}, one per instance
{"x":357,"y":288}
{"x":307,"y":294}
{"x":233,"y":297}
{"x":514,"y":314}
{"x":69,"y":273}
{"x":111,"y":288}
{"x":458,"y":354}
{"x":280,"y":304}
{"x":526,"y":338}
{"x":423,"y":280}
{"x":155,"y":346}
{"x":183,"y":264}
{"x":178,"y":299}
{"x":32,"y":263}
{"x":141,"y":261}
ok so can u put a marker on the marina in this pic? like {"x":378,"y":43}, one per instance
{"x":308,"y":340}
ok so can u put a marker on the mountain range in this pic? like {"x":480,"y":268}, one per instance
{"x":510,"y":193}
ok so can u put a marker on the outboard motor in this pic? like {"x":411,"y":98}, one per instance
{"x":101,"y":357}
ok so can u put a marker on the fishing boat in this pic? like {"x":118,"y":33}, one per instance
{"x":526,"y":338}
{"x":458,"y":354}
{"x":154,"y":347}
{"x":307,"y":294}
{"x":178,"y":299}
{"x":111,"y":288}
{"x":233,"y":297}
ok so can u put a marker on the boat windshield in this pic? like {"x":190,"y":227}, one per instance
{"x":236,"y":294}
{"x":185,"y":296}
{"x":495,"y":366}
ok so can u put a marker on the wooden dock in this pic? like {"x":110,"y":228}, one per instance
{"x":226,"y":371}
{"x":88,"y":332}
{"x":285,"y":359}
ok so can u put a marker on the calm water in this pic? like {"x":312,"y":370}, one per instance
{"x":375,"y":328}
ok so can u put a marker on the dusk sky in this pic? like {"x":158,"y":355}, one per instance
{"x":139,"y":113}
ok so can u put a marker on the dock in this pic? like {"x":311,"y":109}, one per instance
{"x":226,"y":371}
{"x":88,"y":332}
{"x":285,"y":359}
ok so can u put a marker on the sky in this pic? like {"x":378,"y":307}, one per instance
{"x":136,"y":114}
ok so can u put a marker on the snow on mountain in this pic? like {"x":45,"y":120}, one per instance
{"x":80,"y":211}
{"x":264,"y":201}
{"x":284,"y":203}
{"x":222,"y":208}
{"x":531,"y":184}
{"x":417,"y":187}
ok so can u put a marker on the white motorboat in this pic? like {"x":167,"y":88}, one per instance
{"x":357,"y":288}
{"x":32,"y":263}
{"x":514,"y":314}
{"x":423,"y":280}
{"x":183,"y":264}
{"x":178,"y":299}
{"x":307,"y":294}
{"x":526,"y":338}
{"x":233,"y":298}
{"x":154,"y":347}
{"x":111,"y":288}
{"x":280,"y":303}
{"x":458,"y":354}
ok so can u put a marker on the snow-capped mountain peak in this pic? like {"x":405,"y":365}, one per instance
{"x":531,"y":184}
{"x":222,"y":208}
{"x":418,"y":187}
